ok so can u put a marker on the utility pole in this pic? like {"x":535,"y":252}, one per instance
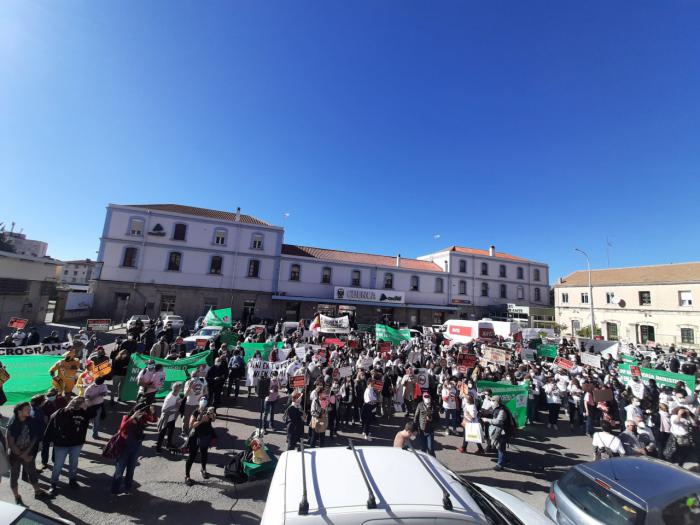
{"x":590,"y":291}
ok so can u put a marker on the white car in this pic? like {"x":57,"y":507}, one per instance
{"x":382,"y":486}
{"x":204,"y":334}
{"x":18,"y":515}
{"x":175,"y":321}
{"x":145,"y":320}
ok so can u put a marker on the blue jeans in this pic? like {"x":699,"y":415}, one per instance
{"x":97,"y":422}
{"x":127,"y":461}
{"x":590,"y":420}
{"x":428,"y":442}
{"x":60,"y":454}
{"x":269,"y":409}
{"x":451,"y":415}
{"x":501,"y":461}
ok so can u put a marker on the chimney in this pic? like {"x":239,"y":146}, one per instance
{"x":446,"y":266}
{"x":492,"y":251}
{"x":398,"y":261}
{"x":238,"y":214}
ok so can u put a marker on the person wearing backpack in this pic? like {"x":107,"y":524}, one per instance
{"x":500,"y":429}
{"x":605,"y":444}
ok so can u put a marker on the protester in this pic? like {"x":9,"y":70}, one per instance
{"x":195,"y":391}
{"x":319,"y":418}
{"x":294,"y":421}
{"x":132,"y":430}
{"x":200,"y":440}
{"x":120,"y":364}
{"x":66,"y":429}
{"x":497,"y":431}
{"x":168,"y":416}
{"x":270,"y":402}
{"x":150,"y":380}
{"x":405,"y":436}
{"x":95,"y":395}
{"x":236,"y":372}
{"x":426,"y":419}
{"x":470,"y":418}
{"x":604,"y":442}
{"x":65,"y":372}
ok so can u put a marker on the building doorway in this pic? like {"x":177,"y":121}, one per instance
{"x":575,"y":327}
{"x":122,"y":300}
{"x":646,"y":333}
{"x":291,"y":311}
{"x":248,"y":311}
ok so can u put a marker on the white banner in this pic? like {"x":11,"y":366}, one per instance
{"x":257,"y":369}
{"x":345,"y":371}
{"x":590,"y":359}
{"x":335,"y":325}
{"x":44,"y":349}
{"x":369,"y":295}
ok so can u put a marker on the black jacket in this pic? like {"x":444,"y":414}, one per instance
{"x":67,"y":428}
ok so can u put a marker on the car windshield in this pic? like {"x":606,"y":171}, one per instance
{"x":208,"y":331}
{"x":495,"y":512}
{"x":598,"y":501}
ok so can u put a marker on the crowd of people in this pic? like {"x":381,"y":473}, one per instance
{"x":421,"y":385}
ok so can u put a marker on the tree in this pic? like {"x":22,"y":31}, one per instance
{"x":5,"y":245}
{"x":586,"y":332}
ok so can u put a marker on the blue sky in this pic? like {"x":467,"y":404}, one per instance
{"x":377,"y":125}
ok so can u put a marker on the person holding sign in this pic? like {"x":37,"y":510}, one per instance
{"x":426,"y":419}
{"x":65,"y":372}
{"x":294,"y":419}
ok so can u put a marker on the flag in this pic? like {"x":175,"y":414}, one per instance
{"x":386,"y":333}
{"x":221,"y":317}
{"x":316,"y":323}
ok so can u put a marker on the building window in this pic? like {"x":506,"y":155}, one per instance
{"x":220,"y":237}
{"x":215,"y":265}
{"x":484,"y":289}
{"x":167,"y":303}
{"x":504,"y":292}
{"x":462,"y":266}
{"x":326,"y":275}
{"x":253,"y":268}
{"x":256,"y":242}
{"x":502,"y":270}
{"x":644,"y":298}
{"x":462,"y":287}
{"x":520,"y":272}
{"x":180,"y":232}
{"x":388,"y":280}
{"x":520,"y":292}
{"x":129,"y":259}
{"x":584,"y":297}
{"x":484,"y":269}
{"x":565,"y":298}
{"x":612,"y":331}
{"x":174,"y":261}
{"x":685,"y":298}
{"x":536,"y":274}
{"x":687,"y":336}
{"x":538,"y":295}
{"x":610,"y":297}
{"x":65,"y":272}
{"x":355,"y":279}
{"x":415,"y":282}
{"x":210,"y":303}
{"x":438,"y":285}
{"x":294,"y":272}
{"x":75,"y":272}
{"x":136,"y":227}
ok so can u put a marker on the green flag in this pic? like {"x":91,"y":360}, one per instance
{"x":263,"y":348}
{"x":386,"y":333}
{"x":178,"y":370}
{"x":547,"y":351}
{"x":29,"y":376}
{"x":221,"y":317}
{"x":514,"y":397}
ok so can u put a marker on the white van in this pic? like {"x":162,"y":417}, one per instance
{"x":505,"y":329}
{"x":382,"y":486}
{"x":462,"y":331}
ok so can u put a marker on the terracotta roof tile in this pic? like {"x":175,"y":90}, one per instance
{"x":358,"y":258}
{"x":660,"y":274}
{"x":476,"y":251}
{"x":201,"y":212}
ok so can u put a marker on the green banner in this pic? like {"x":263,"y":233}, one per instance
{"x":513,"y":396}
{"x":629,"y":360}
{"x":178,"y":370}
{"x":29,"y":376}
{"x":662,"y":377}
{"x":221,"y":317}
{"x":369,"y":328}
{"x":386,"y":333}
{"x":229,"y":338}
{"x":547,"y":351}
{"x":263,"y":348}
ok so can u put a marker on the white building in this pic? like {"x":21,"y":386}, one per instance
{"x":636,"y":305}
{"x":23,"y":246}
{"x":167,"y":257}
{"x":77,"y":272}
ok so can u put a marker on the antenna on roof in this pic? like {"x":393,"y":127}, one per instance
{"x":304,"y":503}
{"x":371,"y":502}
{"x":446,"y":501}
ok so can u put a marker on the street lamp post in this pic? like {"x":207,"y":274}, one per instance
{"x":590,"y":291}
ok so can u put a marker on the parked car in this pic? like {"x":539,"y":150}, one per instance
{"x":206,"y":334}
{"x":626,"y":490}
{"x":256,"y":329}
{"x":19,"y":515}
{"x":199,"y":323}
{"x":145,"y":320}
{"x":405,"y":487}
{"x":175,"y":321}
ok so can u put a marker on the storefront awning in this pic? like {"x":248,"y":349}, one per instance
{"x":324,"y":300}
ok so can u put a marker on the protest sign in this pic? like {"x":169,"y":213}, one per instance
{"x":600,"y":395}
{"x":386,"y":333}
{"x":258,"y":368}
{"x":297,"y":381}
{"x":384,"y":349}
{"x":563,"y":363}
{"x":98,"y":325}
{"x":514,"y":397}
{"x":377,"y":385}
{"x":496,"y":355}
{"x":635,"y":371}
{"x":528,"y":354}
{"x":335,"y":325}
{"x":662,"y":377}
{"x":104,"y":368}
{"x":300,"y":352}
{"x":201,"y":343}
{"x":44,"y":349}
{"x":422,"y":378}
{"x":17,"y":323}
{"x":221,"y":317}
{"x":549,"y":351}
{"x":29,"y":376}
{"x":345,"y":371}
{"x":465,"y":361}
{"x":590,"y":360}
{"x":178,"y":370}
{"x":333,"y":341}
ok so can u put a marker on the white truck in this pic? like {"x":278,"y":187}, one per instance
{"x":463,"y":331}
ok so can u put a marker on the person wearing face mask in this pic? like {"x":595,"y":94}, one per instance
{"x":150,"y":380}
{"x":533,"y":398}
{"x":367,"y":412}
{"x":133,"y":429}
{"x":294,"y":420}
{"x":95,"y":395}
{"x":270,"y":402}
{"x":634,"y":410}
{"x":65,"y":372}
{"x":470,"y":416}
{"x":66,"y":429}
{"x":630,"y":440}
{"x":449,"y":404}
{"x":319,"y":418}
{"x":168,"y":416}
{"x":195,"y":390}
{"x":200,"y":439}
{"x":426,"y":419}
{"x":403,"y":437}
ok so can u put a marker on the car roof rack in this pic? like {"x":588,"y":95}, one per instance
{"x":304,"y":503}
{"x":446,"y":501}
{"x":371,"y":501}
